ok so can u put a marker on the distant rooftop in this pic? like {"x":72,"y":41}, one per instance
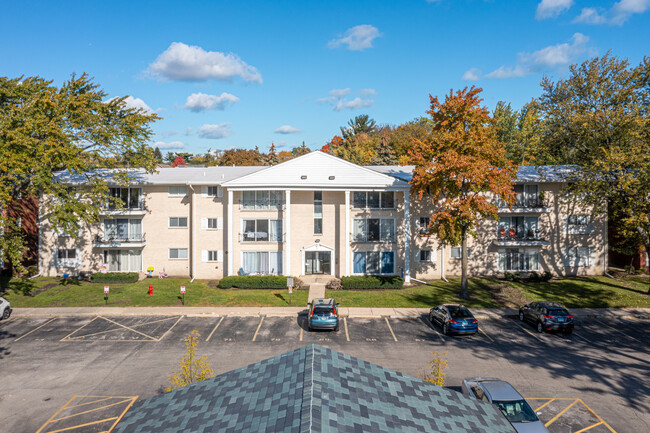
{"x":313,"y":389}
{"x":525,"y":174}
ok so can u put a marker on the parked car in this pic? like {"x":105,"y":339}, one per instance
{"x":323,"y":314}
{"x":547,"y":316}
{"x":503,"y":395}
{"x":5,"y":308}
{"x":454,"y":318}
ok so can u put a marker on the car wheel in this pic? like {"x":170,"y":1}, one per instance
{"x":445,"y":329}
{"x":540,"y":327}
{"x":431,"y":318}
{"x":336,"y":328}
{"x":6,"y":313}
{"x":521,"y":316}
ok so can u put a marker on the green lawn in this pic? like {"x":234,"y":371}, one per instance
{"x":484,"y":292}
{"x":50,"y":293}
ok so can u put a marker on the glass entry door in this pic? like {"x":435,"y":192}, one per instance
{"x":318,"y":262}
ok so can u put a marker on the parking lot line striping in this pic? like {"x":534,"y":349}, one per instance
{"x":561,"y":413}
{"x":590,"y":427}
{"x":35,"y":329}
{"x":78,"y":329}
{"x":90,"y":410}
{"x":485,"y":333}
{"x":430,"y":325}
{"x":56,"y":413}
{"x":127,"y":327}
{"x":544,"y":405}
{"x":258,"y":328}
{"x":117,"y":419}
{"x":597,"y":416}
{"x":301,"y":330}
{"x":620,"y":332}
{"x":390,"y":329}
{"x":531,"y":334}
{"x":347,"y":334}
{"x":582,"y":338}
{"x":215,"y":328}
{"x":130,"y":328}
{"x":169,"y":330}
{"x":90,"y":402}
{"x":85,"y":425}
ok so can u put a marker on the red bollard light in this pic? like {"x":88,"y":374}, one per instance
{"x":150,"y":289}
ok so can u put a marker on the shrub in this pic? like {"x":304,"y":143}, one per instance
{"x":256,"y":282}
{"x":437,"y":367}
{"x":115,"y":277}
{"x":334,"y":284}
{"x":372,"y":282}
{"x":546,"y":276}
{"x":534,"y":277}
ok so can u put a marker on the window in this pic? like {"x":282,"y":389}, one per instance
{"x":422,"y":225}
{"x":518,"y":259}
{"x":318,"y":212}
{"x":212,"y":255}
{"x":123,"y":260}
{"x":67,"y":258}
{"x":130,"y":198}
{"x":519,"y":228}
{"x":455,"y":252}
{"x":579,"y":256}
{"x":373,"y":200}
{"x":578,"y":220}
{"x":177,"y":191}
{"x":212,"y":223}
{"x":177,"y":222}
{"x":178,"y":253}
{"x":260,"y":200}
{"x":261,"y":263}
{"x":262,"y":230}
{"x":122,"y":229}
{"x":374,"y":262}
{"x":214,"y":191}
{"x":578,"y":224}
{"x":374,"y":229}
{"x":525,"y":196}
{"x":424,"y":256}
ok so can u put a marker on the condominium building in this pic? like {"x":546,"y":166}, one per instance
{"x":318,"y":215}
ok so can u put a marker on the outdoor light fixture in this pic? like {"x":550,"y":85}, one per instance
{"x":303,"y":177}
{"x":332,"y":177}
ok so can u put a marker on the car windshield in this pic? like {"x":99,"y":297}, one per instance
{"x":322,"y":310}
{"x":560,"y":313}
{"x":517,"y":411}
{"x":460,"y":313}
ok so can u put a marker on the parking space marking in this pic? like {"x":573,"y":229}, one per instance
{"x":258,"y":328}
{"x":347,"y":334}
{"x":390,"y":329}
{"x":126,"y":401}
{"x":620,"y":332}
{"x":432,"y":326}
{"x":582,"y":338}
{"x":590,"y":427}
{"x":301,"y":331}
{"x":123,"y":326}
{"x":35,"y":329}
{"x":597,"y":416}
{"x":544,"y":405}
{"x":169,"y":330}
{"x":561,"y":413}
{"x":215,"y":328}
{"x":574,"y":401}
{"x":485,"y":333}
{"x":78,"y":329}
{"x":530,"y":333}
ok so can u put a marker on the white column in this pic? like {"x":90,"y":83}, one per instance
{"x":230,"y":246}
{"x":287,"y":231}
{"x":348,"y":258}
{"x":407,"y":237}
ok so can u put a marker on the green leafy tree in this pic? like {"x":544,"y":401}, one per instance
{"x":437,"y":366}
{"x":300,"y":150}
{"x":157,"y":154}
{"x":518,"y":130}
{"x":45,"y":129}
{"x":240,"y":157}
{"x":361,"y":124}
{"x":191,"y":368}
{"x":459,"y":163}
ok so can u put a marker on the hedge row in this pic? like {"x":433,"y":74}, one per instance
{"x":115,"y":277}
{"x":253,"y":282}
{"x":371,"y":282}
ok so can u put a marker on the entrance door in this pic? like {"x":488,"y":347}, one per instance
{"x":318,"y":262}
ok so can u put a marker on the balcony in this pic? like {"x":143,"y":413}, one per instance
{"x":135,"y":209}
{"x":527,"y":206}
{"x":513,"y":237}
{"x":259,"y":237}
{"x":119,"y":242}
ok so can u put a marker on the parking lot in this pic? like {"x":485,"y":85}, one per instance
{"x":594,"y":380}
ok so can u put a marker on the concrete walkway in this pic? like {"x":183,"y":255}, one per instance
{"x":316,"y":290}
{"x":479,"y":313}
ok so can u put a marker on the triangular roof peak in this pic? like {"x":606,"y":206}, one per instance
{"x":317,"y":170}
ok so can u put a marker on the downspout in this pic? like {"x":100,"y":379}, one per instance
{"x":442,"y":263}
{"x":605,"y":240}
{"x":192,"y":232}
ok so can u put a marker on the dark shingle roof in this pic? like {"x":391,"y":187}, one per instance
{"x":313,"y":389}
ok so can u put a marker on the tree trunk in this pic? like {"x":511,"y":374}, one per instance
{"x":464,"y":294}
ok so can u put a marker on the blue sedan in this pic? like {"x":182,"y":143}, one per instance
{"x":454,"y":319}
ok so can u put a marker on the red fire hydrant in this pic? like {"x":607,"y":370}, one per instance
{"x":150,"y":289}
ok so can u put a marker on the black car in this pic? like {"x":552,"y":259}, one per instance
{"x":547,"y":316}
{"x":454,"y":319}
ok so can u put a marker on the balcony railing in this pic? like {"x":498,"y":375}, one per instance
{"x":535,"y":204}
{"x":520,"y":237}
{"x":133,"y":208}
{"x":101,"y":240}
{"x":258,"y":237}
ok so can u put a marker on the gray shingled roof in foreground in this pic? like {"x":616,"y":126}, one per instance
{"x":313,"y":389}
{"x":525,"y":174}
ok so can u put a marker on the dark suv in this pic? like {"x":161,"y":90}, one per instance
{"x":547,"y":316}
{"x":323,"y":314}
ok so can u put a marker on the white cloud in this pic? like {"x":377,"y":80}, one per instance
{"x":550,"y":57}
{"x":357,"y":38}
{"x":191,"y":63}
{"x":135,"y":104}
{"x":197,"y":102}
{"x":472,"y":74}
{"x":338,"y":101}
{"x":215,"y":131}
{"x":167,"y":134}
{"x":286,"y":129}
{"x":620,"y":12}
{"x":552,"y":8}
{"x":170,"y":145}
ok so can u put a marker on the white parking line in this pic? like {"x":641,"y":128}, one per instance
{"x":485,"y":333}
{"x":215,"y":328}
{"x":531,"y":334}
{"x":347,"y":334}
{"x":433,"y":327}
{"x":582,"y":338}
{"x":390,"y":329}
{"x":258,"y":328}
{"x":35,"y":329}
{"x":620,"y":332}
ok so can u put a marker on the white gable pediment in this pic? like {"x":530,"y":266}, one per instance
{"x":317,"y":170}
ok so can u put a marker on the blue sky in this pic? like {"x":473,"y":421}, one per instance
{"x":248,"y":73}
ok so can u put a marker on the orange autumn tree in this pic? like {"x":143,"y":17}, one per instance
{"x":458,"y":163}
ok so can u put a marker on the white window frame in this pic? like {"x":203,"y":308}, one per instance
{"x":212,"y":191}
{"x":177,"y":191}
{"x":259,"y":199}
{"x":67,"y":262}
{"x":581,"y":257}
{"x":432,"y":255}
{"x":380,"y":200}
{"x":217,"y":222}
{"x":454,"y":253}
{"x":523,"y":256}
{"x":178,"y":220}
{"x":356,"y":238}
{"x":381,"y":252}
{"x":178,"y":251}
{"x":212,"y":256}
{"x":269,"y":221}
{"x":280,"y":259}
